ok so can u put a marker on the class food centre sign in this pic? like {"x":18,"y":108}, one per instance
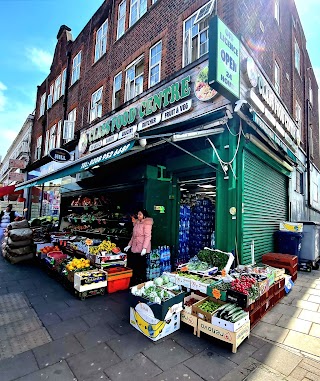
{"x":224,"y":60}
{"x":122,"y":126}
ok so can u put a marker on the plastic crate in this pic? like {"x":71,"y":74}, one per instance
{"x":118,"y":284}
{"x":294,"y":277}
{"x":288,"y":242}
{"x":254,"y":317}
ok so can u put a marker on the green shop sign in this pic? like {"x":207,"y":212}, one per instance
{"x":224,"y":60}
{"x":111,"y":130}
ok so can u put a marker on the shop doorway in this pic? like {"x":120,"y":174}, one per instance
{"x":197,"y":222}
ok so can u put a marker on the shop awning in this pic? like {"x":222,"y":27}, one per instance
{"x":79,"y":165}
{"x":10,"y":189}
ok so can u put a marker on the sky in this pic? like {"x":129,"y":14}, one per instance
{"x":28,"y":30}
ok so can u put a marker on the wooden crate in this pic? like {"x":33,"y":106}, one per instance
{"x":233,"y":338}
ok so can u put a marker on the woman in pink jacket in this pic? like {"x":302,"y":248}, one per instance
{"x":139,"y":246}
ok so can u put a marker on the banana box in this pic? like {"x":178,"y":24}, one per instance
{"x":291,"y":227}
{"x":151,"y":327}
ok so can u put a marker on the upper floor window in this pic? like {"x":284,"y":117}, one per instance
{"x":298,"y":115}
{"x":277,"y":76}
{"x":137,"y":9}
{"x":50,"y":97}
{"x":310,"y":91}
{"x":63,"y":81}
{"x":101,"y":41}
{"x":154,"y":1}
{"x":42,"y":104}
{"x":155,"y":64}
{"x":52,"y":137}
{"x":37,"y":154}
{"x":277,"y":10}
{"x":134,"y":78}
{"x":76,"y":63}
{"x":46,"y":143}
{"x":196,"y":37}
{"x":96,"y":105}
{"x":68,"y":126}
{"x":116,"y":102}
{"x":57,"y":88}
{"x":58,"y":140}
{"x":311,"y":142}
{"x":121,"y":18}
{"x":296,"y":56}
{"x":299,"y":182}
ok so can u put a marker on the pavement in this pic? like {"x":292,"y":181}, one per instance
{"x":48,"y":334}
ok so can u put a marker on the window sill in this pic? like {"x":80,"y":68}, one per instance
{"x":74,"y":83}
{"x":99,"y":59}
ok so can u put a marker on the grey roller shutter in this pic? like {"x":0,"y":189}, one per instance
{"x":265,"y":204}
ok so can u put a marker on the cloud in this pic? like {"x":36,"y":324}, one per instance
{"x":40,"y":58}
{"x":2,"y":96}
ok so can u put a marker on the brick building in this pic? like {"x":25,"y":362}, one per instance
{"x":119,"y":81}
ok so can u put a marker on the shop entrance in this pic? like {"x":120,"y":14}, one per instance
{"x":196,"y":215}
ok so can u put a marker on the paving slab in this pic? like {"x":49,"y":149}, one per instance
{"x":277,"y":358}
{"x":287,"y":310}
{"x":306,"y":343}
{"x":271,"y":317}
{"x":298,"y":373}
{"x":94,"y":318}
{"x":128,"y":345}
{"x":11,"y":368}
{"x":49,"y":318}
{"x":264,"y":374}
{"x":138,"y":368}
{"x":167,"y":354}
{"x":315,"y":330}
{"x":310,"y":316}
{"x":23,"y":343}
{"x":295,"y":324}
{"x":178,"y":372}
{"x":12,"y":316}
{"x":88,"y":363}
{"x":255,"y":341}
{"x":45,"y":307}
{"x":72,"y":312}
{"x":12,"y":302}
{"x":209,"y":365}
{"x":96,"y":335}
{"x":242,"y":371}
{"x":304,"y":304}
{"x":20,"y":327}
{"x":270,"y":332}
{"x":314,"y":299}
{"x":56,"y":372}
{"x":57,"y":350}
{"x":191,"y":342}
{"x":122,"y":326}
{"x":67,"y":327}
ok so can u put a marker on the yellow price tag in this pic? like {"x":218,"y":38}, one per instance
{"x":89,"y":242}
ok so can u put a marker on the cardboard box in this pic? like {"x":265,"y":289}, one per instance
{"x":197,"y":311}
{"x":210,"y":292}
{"x":198,"y":285}
{"x":190,"y":320}
{"x":159,"y":311}
{"x":171,"y":276}
{"x":151,"y":327}
{"x":90,"y":280}
{"x":291,"y":227}
{"x":182,"y":281}
{"x":234,"y":338}
{"x":188,"y":309}
{"x":225,"y":324}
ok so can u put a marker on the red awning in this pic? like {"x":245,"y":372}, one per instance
{"x":8,"y":190}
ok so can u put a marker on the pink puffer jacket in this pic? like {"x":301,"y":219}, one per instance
{"x":141,"y":235}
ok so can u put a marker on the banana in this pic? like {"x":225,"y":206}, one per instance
{"x":150,"y":330}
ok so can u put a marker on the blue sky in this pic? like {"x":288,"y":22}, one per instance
{"x":31,"y":27}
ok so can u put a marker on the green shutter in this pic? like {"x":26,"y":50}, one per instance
{"x":265,"y":204}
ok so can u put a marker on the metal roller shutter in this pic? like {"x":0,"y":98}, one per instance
{"x":265,"y":199}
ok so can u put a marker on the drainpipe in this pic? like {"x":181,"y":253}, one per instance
{"x":308,"y":156}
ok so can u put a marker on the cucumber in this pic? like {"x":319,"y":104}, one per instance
{"x":235,"y":316}
{"x":233,"y":312}
{"x":221,"y":309}
{"x":240,"y":317}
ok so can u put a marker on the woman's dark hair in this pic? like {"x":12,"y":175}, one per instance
{"x":9,"y":206}
{"x":144,"y":212}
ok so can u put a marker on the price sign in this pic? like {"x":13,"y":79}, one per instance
{"x":89,"y":242}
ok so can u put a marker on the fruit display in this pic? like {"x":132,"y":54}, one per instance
{"x":48,"y":249}
{"x":105,"y":245}
{"x":231,"y":312}
{"x":78,"y":264}
{"x":246,"y":285}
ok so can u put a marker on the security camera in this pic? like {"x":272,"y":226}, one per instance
{"x":143,"y":142}
{"x":239,"y":104}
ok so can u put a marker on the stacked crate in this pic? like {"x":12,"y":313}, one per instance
{"x":282,"y":261}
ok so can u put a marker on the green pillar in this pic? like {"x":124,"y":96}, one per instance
{"x":227,"y":198}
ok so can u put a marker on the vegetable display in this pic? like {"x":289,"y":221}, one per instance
{"x":214,"y":258}
{"x":246,"y":285}
{"x":231,"y":312}
{"x":209,"y":306}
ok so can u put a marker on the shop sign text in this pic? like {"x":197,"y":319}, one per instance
{"x":108,"y":129}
